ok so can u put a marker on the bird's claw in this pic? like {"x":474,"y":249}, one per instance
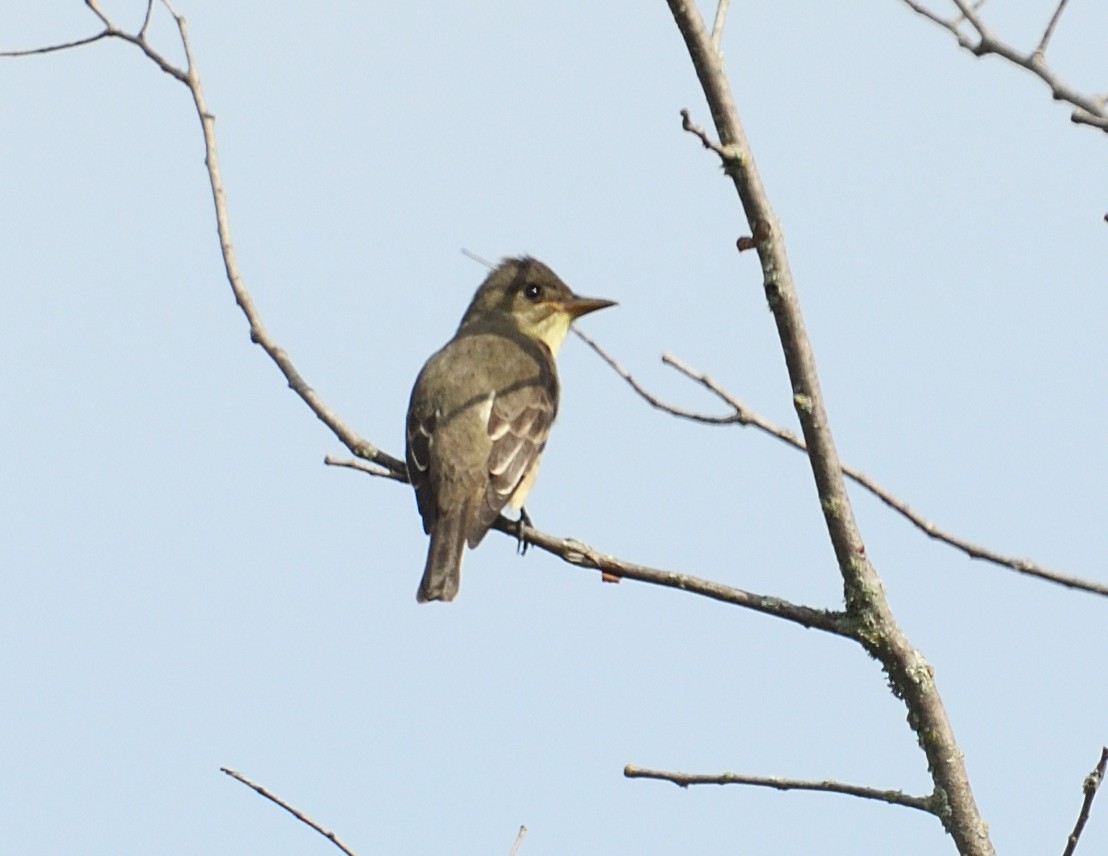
{"x":522,"y":525}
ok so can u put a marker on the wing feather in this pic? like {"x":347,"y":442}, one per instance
{"x":518,"y":426}
{"x":419,"y":434}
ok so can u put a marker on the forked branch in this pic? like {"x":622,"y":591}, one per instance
{"x":743,"y":416}
{"x":909,"y":673}
{"x":981,"y":41}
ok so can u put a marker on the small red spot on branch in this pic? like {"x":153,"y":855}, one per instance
{"x":760,"y":236}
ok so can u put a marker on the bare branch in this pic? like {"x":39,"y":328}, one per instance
{"x":1049,"y":31}
{"x":613,"y":569}
{"x":299,"y":815}
{"x":649,"y":397}
{"x":481,"y":260}
{"x":1090,"y":787}
{"x":95,"y":7}
{"x":910,"y":676}
{"x":570,"y":550}
{"x":946,"y":24}
{"x":190,"y":77}
{"x":365,"y":467}
{"x":1088,"y":109}
{"x":726,"y":154}
{"x":88,"y":40}
{"x":519,"y":840}
{"x":743,"y":416}
{"x":146,"y":20}
{"x":927,"y":804}
{"x":258,"y":332}
{"x":969,"y":13}
{"x":717,"y":24}
{"x":583,"y":556}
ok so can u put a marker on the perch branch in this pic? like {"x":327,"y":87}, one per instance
{"x":583,"y":556}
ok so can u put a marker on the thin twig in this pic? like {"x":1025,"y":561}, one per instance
{"x":975,"y":5}
{"x":1088,"y":110}
{"x":745,"y":416}
{"x":95,"y":7}
{"x":742,"y":415}
{"x":146,"y":20}
{"x":481,"y":260}
{"x":648,"y":396}
{"x":299,"y":815}
{"x":717,"y":24}
{"x":190,"y":77}
{"x":258,"y":332}
{"x":1090,"y":787}
{"x":519,"y":840}
{"x":927,"y":804}
{"x":969,"y":13}
{"x":1049,"y":31}
{"x":728,"y":154}
{"x":934,"y":17}
{"x":365,"y":467}
{"x":62,"y":47}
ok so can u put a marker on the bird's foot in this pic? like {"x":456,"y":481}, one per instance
{"x":522,"y":525}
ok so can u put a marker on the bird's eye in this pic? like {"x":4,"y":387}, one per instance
{"x":532,"y":291}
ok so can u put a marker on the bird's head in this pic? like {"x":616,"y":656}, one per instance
{"x":532,"y":298}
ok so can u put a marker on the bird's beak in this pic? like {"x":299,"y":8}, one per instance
{"x":578,"y":306}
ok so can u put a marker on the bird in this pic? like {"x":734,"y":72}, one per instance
{"x":481,"y":410}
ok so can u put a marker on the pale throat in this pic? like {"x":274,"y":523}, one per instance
{"x":552,"y":330}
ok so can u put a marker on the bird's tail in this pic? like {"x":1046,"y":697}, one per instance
{"x":443,"y":571}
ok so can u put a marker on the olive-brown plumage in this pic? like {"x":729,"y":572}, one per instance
{"x":481,"y":410}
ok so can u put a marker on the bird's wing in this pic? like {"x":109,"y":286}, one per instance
{"x":519,"y":423}
{"x":417,"y":453}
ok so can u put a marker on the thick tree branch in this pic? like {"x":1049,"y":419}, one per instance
{"x":743,"y":416}
{"x":909,"y":673}
{"x":295,"y":812}
{"x":927,"y":804}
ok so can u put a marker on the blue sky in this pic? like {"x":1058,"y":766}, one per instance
{"x":187,"y":586}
